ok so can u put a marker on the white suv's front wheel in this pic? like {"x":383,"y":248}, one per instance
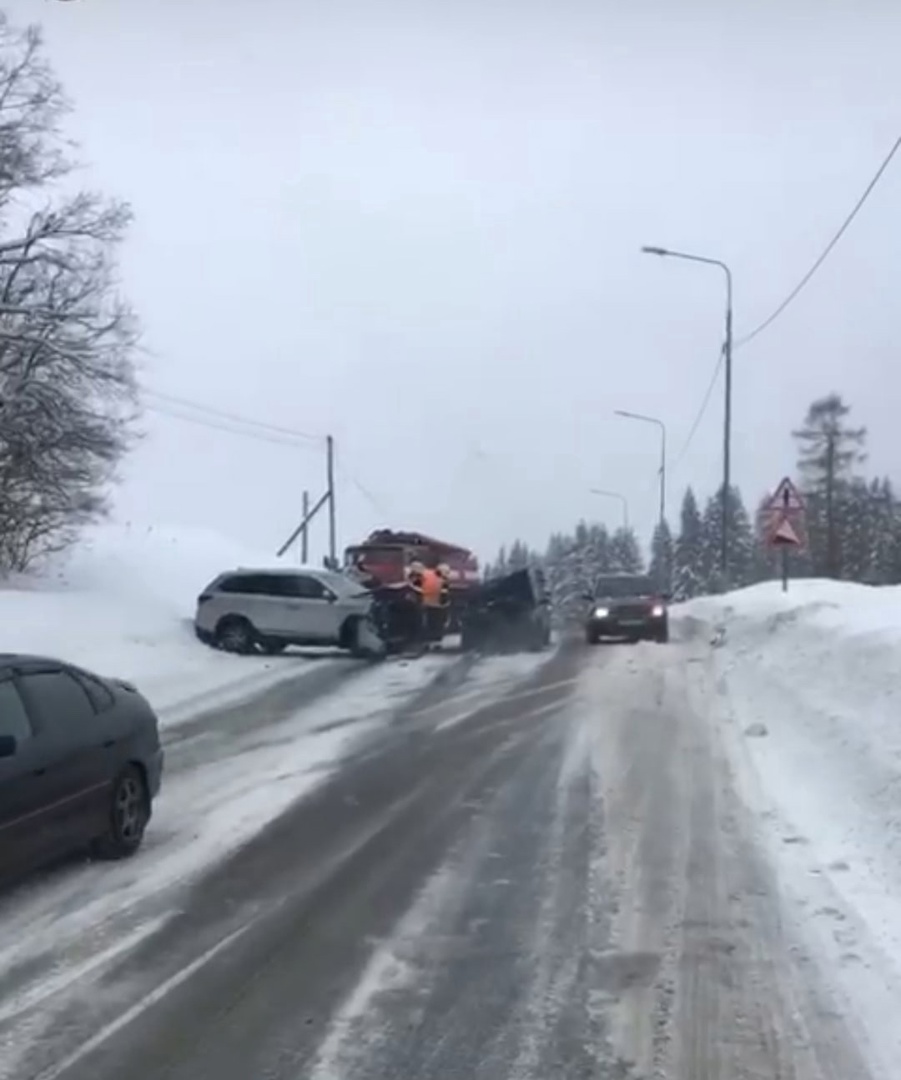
{"x":235,"y":635}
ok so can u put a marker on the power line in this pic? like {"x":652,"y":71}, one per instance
{"x":702,"y":410}
{"x":235,"y":418}
{"x":291,"y":439}
{"x":364,"y":491}
{"x":826,"y":252}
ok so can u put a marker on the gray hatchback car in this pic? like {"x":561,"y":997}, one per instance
{"x":247,"y":609}
{"x":80,"y":764}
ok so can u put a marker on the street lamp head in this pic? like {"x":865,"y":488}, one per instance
{"x":654,"y":251}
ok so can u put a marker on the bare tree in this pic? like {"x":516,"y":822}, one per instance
{"x":68,"y":389}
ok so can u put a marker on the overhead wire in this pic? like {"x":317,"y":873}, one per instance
{"x":699,"y":416}
{"x":827,"y":251}
{"x":284,"y":437}
{"x":235,"y":418}
{"x":173,"y":406}
{"x":790,"y":298}
{"x":376,"y":504}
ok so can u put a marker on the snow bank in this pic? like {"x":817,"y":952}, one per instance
{"x":122,"y":603}
{"x":808,"y":698}
{"x":828,"y":649}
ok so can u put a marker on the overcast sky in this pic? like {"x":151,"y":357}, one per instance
{"x":418,"y":227}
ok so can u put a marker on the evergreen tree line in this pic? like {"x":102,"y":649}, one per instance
{"x":852,"y":529}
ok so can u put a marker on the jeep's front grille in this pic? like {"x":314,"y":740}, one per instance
{"x":631,"y":611}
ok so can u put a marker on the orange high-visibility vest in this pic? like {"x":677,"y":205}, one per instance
{"x":431,"y":588}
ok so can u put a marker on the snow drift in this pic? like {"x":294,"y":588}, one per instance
{"x":807,"y":696}
{"x":122,"y":603}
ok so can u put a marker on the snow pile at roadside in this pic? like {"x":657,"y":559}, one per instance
{"x":122,"y":603}
{"x":808,"y":699}
{"x":829,"y":649}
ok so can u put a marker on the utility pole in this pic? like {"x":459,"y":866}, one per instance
{"x":328,"y":497}
{"x":330,"y":479}
{"x":727,"y":431}
{"x":305,"y":535}
{"x":727,"y":406}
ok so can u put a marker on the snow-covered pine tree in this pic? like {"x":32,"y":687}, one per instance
{"x":857,"y":523}
{"x":662,"y":554}
{"x":711,"y":531}
{"x":599,"y":547}
{"x":828,"y":450}
{"x":742,"y":542}
{"x":565,"y":576}
{"x":519,"y":556}
{"x":893,"y":554}
{"x":740,"y":554}
{"x":883,"y":509}
{"x":688,"y":554}
{"x":625,"y":552}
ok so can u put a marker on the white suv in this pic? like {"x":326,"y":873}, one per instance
{"x":246,"y":609}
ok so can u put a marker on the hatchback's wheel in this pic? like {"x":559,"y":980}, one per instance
{"x":129,"y":812}
{"x":235,"y":636}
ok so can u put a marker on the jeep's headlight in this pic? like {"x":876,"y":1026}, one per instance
{"x":601,"y":612}
{"x":657,"y":611}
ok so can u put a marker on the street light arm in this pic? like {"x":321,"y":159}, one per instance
{"x":641,"y":416}
{"x":615,"y":495}
{"x":661,"y":472}
{"x":667,"y":253}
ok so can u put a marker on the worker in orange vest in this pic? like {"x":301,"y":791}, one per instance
{"x":433,"y":609}
{"x":415,"y":575}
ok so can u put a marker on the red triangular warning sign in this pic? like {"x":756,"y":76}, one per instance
{"x":785,"y":534}
{"x":787,"y":497}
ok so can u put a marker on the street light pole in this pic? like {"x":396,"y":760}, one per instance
{"x":727,"y":405}
{"x":660,"y":424}
{"x":621,"y":498}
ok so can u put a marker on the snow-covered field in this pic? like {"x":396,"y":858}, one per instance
{"x":122,"y":603}
{"x":807,"y":694}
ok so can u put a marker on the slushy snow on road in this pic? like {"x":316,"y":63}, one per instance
{"x":805,"y":689}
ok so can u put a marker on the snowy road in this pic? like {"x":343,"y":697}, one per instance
{"x":534,"y":870}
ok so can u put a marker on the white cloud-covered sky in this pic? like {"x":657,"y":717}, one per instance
{"x":418,"y":227}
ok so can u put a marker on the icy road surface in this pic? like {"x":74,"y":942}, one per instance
{"x":533,"y":873}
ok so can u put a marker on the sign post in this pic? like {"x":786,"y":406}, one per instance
{"x":785,"y":524}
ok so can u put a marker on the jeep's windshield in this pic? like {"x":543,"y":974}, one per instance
{"x":623,"y":585}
